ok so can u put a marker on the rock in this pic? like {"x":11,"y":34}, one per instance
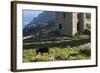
{"x":58,"y":58}
{"x":72,"y":57}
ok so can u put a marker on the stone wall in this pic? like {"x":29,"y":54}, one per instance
{"x":81,"y":21}
{"x":65,"y":22}
{"x":74,"y":23}
{"x":69,"y":23}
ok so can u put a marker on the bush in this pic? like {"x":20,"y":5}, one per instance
{"x":87,"y":32}
{"x":78,"y":34}
{"x":86,"y":49}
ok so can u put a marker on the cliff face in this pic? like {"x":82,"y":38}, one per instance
{"x":42,"y":20}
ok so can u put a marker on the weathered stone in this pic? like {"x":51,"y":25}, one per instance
{"x":69,"y":23}
{"x":81,"y":21}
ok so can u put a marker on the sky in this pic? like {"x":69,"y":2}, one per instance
{"x":28,"y":16}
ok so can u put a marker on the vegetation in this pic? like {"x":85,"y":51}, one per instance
{"x":88,"y":23}
{"x":57,"y":41}
{"x":56,"y":53}
{"x":76,"y":47}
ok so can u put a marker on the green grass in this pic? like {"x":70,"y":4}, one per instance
{"x":60,"y":48}
{"x":29,"y":55}
{"x":56,"y":41}
{"x":56,"y":38}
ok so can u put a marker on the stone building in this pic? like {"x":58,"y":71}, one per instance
{"x":69,"y":23}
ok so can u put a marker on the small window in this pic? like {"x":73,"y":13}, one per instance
{"x":64,"y":15}
{"x":60,"y":26}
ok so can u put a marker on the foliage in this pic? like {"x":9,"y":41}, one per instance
{"x":85,"y":49}
{"x":87,"y":32}
{"x":58,"y":53}
{"x":57,"y":41}
{"x":88,"y":23}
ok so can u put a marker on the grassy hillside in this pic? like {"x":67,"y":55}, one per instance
{"x":68,"y":53}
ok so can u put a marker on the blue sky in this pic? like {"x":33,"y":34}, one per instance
{"x":28,"y":15}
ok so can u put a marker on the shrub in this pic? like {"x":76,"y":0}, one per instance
{"x":85,"y":49}
{"x":87,"y":32}
{"x":78,"y":34}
